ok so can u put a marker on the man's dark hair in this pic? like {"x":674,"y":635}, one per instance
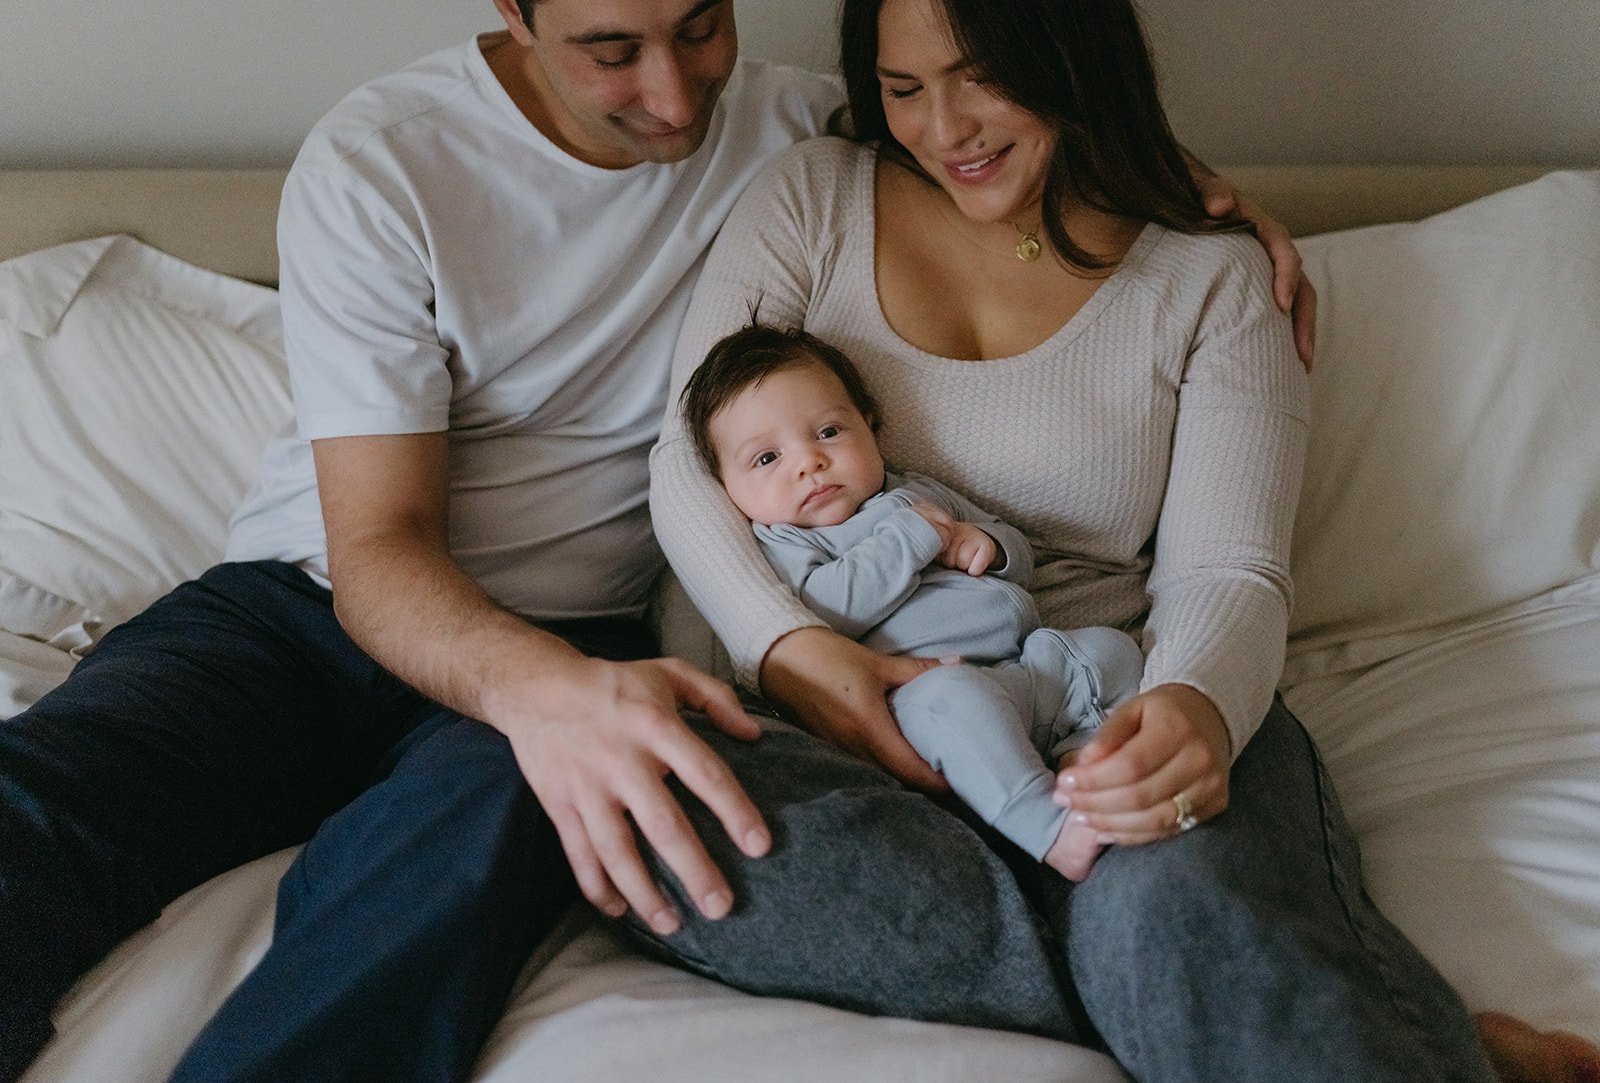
{"x":1084,"y":68}
{"x":745,"y":358}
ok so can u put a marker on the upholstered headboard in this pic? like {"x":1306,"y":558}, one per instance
{"x":223,"y":219}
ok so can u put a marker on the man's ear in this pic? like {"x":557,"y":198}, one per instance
{"x":521,"y":32}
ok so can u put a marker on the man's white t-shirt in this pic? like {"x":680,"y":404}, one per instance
{"x":445,"y":267}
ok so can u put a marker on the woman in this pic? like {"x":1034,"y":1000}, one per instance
{"x":1015,"y":254}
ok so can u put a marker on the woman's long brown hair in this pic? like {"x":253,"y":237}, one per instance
{"x":1084,"y":68}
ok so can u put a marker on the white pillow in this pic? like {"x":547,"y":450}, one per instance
{"x":136,"y":393}
{"x":1455,"y":459}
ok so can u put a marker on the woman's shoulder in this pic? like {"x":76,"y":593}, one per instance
{"x":1188,"y":268}
{"x":815,"y":187}
{"x":820,"y":165}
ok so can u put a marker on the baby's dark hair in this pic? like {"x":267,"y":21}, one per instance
{"x":748,"y":356}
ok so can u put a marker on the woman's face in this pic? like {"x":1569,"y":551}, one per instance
{"x":989,"y":154}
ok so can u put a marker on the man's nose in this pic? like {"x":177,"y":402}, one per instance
{"x":666,"y":89}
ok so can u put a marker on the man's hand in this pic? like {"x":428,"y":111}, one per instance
{"x":596,"y":741}
{"x":1290,"y":287}
{"x":1168,"y":741}
{"x":967,"y":548}
{"x":839,"y":690}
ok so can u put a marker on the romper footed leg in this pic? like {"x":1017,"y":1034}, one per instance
{"x":1076,"y":677}
{"x":1069,"y":680}
{"x":963,"y":722}
{"x":1246,"y":949}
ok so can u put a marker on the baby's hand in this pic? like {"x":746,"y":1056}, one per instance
{"x":965,"y":547}
{"x":942,"y":525}
{"x":970,"y":550}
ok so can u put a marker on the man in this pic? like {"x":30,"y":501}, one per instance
{"x":485,"y":259}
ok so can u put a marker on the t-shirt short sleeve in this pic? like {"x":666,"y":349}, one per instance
{"x":364,"y":354}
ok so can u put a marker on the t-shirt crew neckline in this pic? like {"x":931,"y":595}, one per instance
{"x":494,"y":91}
{"x":1052,"y":345}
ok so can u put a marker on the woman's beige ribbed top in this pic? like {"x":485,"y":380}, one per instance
{"x":1150,"y":449}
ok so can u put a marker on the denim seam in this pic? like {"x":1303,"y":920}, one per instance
{"x":1343,"y":890}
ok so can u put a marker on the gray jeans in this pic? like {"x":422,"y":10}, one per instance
{"x":1246,"y":949}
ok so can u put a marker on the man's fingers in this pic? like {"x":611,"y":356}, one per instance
{"x":709,"y":778}
{"x":702,"y":692}
{"x":1218,"y":196}
{"x":1305,"y":321}
{"x":613,"y":842}
{"x":586,"y":868}
{"x":1285,"y":260}
{"x":662,"y":822}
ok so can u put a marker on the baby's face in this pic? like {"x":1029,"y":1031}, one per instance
{"x":794,"y":449}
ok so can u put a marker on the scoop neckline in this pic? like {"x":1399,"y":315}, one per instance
{"x":866,"y":190}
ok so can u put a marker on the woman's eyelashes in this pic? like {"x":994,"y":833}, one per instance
{"x":904,"y":91}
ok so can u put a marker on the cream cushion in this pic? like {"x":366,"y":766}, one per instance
{"x":1454,"y":467}
{"x":1445,"y":649}
{"x":136,"y":392}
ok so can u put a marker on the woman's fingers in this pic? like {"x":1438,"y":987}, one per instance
{"x":1166,"y":742}
{"x":1146,"y":808}
{"x":1204,"y":799}
{"x":1184,"y":767}
{"x":1119,"y":728}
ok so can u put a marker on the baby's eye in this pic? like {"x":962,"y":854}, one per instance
{"x":766,"y":458}
{"x":828,"y":432}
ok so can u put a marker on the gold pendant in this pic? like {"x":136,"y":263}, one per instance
{"x":1028,"y":248}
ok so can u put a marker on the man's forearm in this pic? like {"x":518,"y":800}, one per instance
{"x":426,"y":621}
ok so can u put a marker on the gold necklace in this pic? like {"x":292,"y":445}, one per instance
{"x":1027,"y":242}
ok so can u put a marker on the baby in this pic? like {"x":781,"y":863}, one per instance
{"x":905,"y":565}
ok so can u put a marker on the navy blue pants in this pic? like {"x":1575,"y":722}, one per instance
{"x":232,"y":719}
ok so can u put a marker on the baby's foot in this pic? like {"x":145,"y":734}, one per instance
{"x":1521,"y":1053}
{"x":1074,"y":851}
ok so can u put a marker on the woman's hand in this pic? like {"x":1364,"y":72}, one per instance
{"x":1125,"y":784}
{"x":1290,"y":287}
{"x":839,"y":690}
